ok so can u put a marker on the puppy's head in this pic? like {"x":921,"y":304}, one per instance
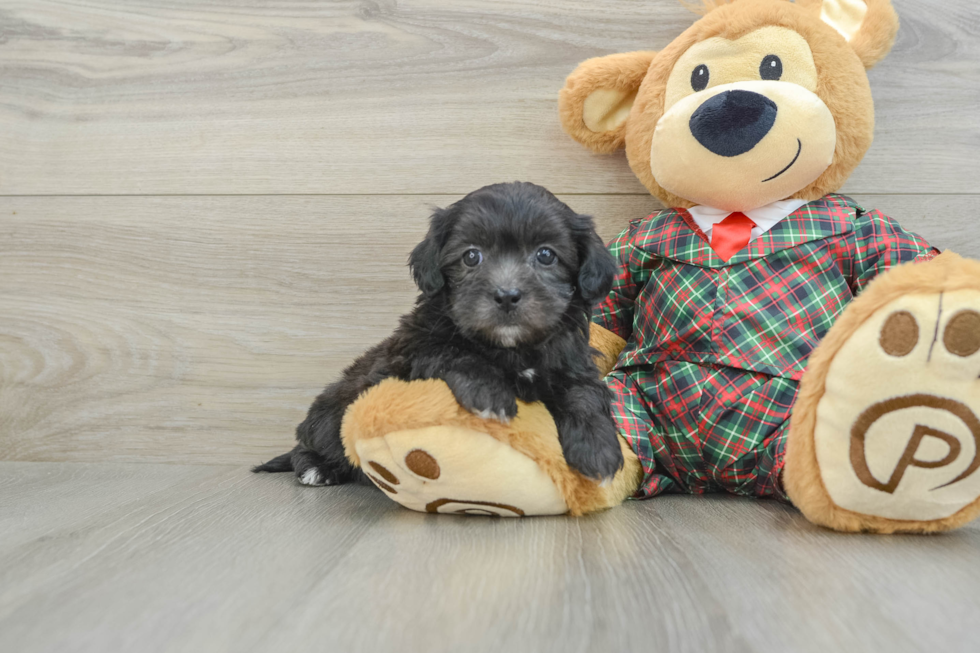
{"x":512,"y":261}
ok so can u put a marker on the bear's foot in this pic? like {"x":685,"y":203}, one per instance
{"x":429,"y":454}
{"x":885,"y":434}
{"x":453,"y":470}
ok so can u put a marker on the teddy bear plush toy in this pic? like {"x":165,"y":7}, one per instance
{"x":764,"y":335}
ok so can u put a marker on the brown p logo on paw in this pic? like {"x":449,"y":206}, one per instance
{"x":859,"y":459}
{"x":486,"y":508}
{"x":897,"y":433}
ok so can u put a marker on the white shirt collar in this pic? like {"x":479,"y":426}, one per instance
{"x":765,"y":217}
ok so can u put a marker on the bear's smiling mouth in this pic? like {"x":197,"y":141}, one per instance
{"x":799,"y":148}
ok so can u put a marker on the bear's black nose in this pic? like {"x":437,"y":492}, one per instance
{"x":731,"y":123}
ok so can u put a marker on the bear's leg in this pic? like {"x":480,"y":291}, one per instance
{"x":885,"y":433}
{"x":429,"y":454}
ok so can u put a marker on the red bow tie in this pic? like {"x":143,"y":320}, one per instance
{"x":731,"y":235}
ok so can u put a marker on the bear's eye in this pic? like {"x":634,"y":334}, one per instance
{"x":472,"y":258}
{"x":699,"y":78}
{"x":545,"y":256}
{"x":771,"y":67}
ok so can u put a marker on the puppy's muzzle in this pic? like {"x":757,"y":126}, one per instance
{"x":507,"y":299}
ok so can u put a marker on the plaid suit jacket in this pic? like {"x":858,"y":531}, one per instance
{"x":766,"y":308}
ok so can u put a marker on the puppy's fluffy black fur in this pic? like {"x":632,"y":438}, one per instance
{"x":508,"y":276}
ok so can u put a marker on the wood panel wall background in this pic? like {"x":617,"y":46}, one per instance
{"x":206,"y":206}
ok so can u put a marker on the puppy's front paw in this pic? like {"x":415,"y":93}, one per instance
{"x":591,"y":447}
{"x":501,"y":406}
{"x":500,"y":415}
{"x":488,"y":398}
{"x":318,"y":476}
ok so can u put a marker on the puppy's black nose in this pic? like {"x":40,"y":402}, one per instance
{"x":507,"y":299}
{"x":733,"y":122}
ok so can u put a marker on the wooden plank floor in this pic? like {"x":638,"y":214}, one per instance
{"x":113,"y":557}
{"x":414,"y":96}
{"x":205,"y":210}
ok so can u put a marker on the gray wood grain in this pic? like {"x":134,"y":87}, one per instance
{"x":199,"y":329}
{"x":194,"y":321}
{"x":417,"y":96}
{"x":218,"y":559}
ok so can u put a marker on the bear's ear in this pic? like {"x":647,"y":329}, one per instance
{"x":868,"y":26}
{"x":598,"y":96}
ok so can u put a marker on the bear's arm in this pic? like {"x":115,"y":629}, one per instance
{"x":879,"y":243}
{"x":615,"y":312}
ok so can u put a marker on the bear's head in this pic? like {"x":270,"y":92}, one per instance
{"x":758,"y":101}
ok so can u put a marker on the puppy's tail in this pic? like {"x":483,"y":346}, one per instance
{"x":283,"y":463}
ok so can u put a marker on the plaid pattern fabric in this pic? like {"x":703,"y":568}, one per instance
{"x":700,"y":429}
{"x":714,"y":348}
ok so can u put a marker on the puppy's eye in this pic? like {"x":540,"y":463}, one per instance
{"x":771,"y":67}
{"x":472,"y":258}
{"x":699,"y":78}
{"x":545,"y":256}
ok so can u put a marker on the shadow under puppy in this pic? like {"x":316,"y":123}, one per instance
{"x":508,"y":276}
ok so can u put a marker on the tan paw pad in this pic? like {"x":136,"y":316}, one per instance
{"x":897,"y":432}
{"x":443,"y":469}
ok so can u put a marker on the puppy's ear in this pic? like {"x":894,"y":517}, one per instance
{"x":597,"y":267}
{"x":425,"y":260}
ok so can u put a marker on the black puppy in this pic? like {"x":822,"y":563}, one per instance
{"x":508,"y":276}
